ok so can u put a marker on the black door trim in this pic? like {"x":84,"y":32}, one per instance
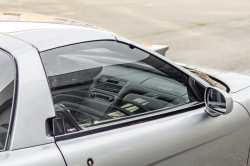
{"x":115,"y":124}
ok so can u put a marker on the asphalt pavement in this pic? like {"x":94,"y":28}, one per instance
{"x":200,"y":32}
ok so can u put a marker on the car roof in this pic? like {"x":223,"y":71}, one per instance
{"x":47,"y":32}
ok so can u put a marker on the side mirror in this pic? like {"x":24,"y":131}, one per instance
{"x":218,"y":102}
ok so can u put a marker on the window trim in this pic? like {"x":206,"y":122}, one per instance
{"x":13,"y":107}
{"x":125,"y":122}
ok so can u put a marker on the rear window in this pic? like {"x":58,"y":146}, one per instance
{"x":6,"y":96}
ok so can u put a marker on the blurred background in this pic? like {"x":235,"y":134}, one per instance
{"x":199,"y":32}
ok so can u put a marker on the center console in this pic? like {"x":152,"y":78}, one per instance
{"x":107,"y":89}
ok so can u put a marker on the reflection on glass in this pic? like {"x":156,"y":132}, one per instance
{"x":216,"y":101}
{"x":6,"y":96}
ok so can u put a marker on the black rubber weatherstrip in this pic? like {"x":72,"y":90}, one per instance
{"x":131,"y":121}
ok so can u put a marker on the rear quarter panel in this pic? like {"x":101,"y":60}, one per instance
{"x":34,"y":156}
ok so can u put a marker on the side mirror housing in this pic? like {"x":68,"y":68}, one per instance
{"x":218,"y":102}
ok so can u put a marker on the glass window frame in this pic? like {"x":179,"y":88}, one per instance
{"x":11,"y":121}
{"x":135,"y":119}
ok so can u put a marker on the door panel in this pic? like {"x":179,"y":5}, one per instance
{"x":192,"y":138}
{"x":226,"y":150}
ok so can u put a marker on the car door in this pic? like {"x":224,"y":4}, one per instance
{"x":189,"y":138}
{"x":119,"y":105}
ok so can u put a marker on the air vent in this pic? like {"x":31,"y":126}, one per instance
{"x":108,"y":87}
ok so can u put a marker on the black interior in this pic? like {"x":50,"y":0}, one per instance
{"x":118,"y":91}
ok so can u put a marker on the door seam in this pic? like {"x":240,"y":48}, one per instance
{"x":61,"y":154}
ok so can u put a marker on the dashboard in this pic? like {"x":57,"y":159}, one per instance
{"x":117,"y":91}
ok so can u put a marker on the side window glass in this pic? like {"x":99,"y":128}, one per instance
{"x":102,"y":81}
{"x":6,"y":95}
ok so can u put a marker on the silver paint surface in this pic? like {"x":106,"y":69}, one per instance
{"x":46,"y":36}
{"x":43,"y":155}
{"x":34,"y":104}
{"x":190,"y":138}
{"x":243,"y":97}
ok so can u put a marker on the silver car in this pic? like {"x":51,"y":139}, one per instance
{"x":75,"y":94}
